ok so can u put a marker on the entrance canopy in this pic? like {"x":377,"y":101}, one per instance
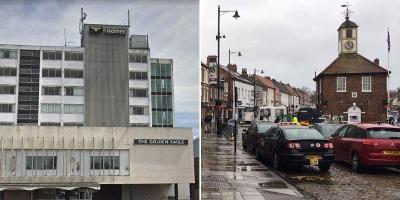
{"x":61,"y":186}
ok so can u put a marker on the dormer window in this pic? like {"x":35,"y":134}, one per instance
{"x":349,"y":33}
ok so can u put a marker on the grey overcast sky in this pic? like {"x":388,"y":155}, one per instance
{"x":172,"y":26}
{"x":290,"y":40}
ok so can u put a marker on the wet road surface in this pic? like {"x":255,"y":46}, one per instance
{"x":241,"y":177}
{"x":341,"y":182}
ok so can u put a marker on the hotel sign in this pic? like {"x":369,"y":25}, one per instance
{"x":160,"y":141}
{"x":109,"y":31}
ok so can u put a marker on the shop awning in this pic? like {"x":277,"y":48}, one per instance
{"x":61,"y":186}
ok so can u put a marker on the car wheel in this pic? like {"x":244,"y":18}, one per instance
{"x":324,"y":168}
{"x":356,"y":163}
{"x":275,"y":162}
{"x":258,"y":156}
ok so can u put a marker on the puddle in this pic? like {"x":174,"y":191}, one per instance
{"x":273,"y":185}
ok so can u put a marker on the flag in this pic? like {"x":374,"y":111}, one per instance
{"x":388,"y":41}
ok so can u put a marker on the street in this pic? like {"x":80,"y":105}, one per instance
{"x":341,"y":182}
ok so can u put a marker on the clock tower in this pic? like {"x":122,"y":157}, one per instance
{"x":347,"y":36}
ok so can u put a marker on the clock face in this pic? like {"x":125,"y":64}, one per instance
{"x":348,"y":45}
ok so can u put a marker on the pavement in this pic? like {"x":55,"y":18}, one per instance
{"x":225,"y":175}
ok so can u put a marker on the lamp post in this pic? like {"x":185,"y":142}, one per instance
{"x":254,"y":84}
{"x":233,"y":52}
{"x":236,"y":16}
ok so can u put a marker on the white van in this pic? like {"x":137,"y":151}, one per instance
{"x":269,"y":114}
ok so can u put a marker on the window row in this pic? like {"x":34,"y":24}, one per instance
{"x":138,"y":110}
{"x":138,"y":58}
{"x":163,"y":118}
{"x":161,"y":70}
{"x":138,"y":75}
{"x":7,"y":89}
{"x":57,"y":55}
{"x":4,"y":53}
{"x":56,"y":108}
{"x":68,"y":91}
{"x":366,"y":83}
{"x":161,"y":85}
{"x":104,"y":162}
{"x":138,"y":93}
{"x":7,"y":108}
{"x":41,"y":162}
{"x":8,"y":71}
{"x":161,"y":101}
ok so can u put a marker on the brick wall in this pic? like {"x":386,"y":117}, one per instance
{"x":369,"y":102}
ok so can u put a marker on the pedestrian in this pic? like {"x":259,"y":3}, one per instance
{"x":208,"y":120}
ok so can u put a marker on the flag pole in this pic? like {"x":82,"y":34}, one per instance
{"x":388,"y":71}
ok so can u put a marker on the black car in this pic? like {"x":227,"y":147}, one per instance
{"x":326,"y":129}
{"x":295,"y":145}
{"x":255,"y":131}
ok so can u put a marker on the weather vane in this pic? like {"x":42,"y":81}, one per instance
{"x":347,"y":12}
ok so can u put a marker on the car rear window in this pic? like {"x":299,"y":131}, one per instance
{"x":262,"y":128}
{"x":302,"y":133}
{"x":384,"y":133}
{"x":328,"y":130}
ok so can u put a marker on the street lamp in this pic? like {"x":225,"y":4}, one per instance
{"x":254,"y":84}
{"x":233,"y":52}
{"x":236,"y":16}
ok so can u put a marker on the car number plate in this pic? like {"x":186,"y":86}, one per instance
{"x":397,"y":153}
{"x":314,"y":159}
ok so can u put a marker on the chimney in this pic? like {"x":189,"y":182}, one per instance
{"x":244,"y":71}
{"x":211,"y":58}
{"x":232,"y":67}
{"x":376,"y":61}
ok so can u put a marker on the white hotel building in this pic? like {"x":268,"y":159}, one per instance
{"x":91,"y":122}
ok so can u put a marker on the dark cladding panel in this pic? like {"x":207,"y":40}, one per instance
{"x":106,"y":75}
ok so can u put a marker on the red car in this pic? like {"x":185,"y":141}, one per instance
{"x":367,"y":145}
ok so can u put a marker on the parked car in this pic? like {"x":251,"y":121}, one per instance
{"x":365,"y":145}
{"x":295,"y":145}
{"x":255,"y":131}
{"x":326,"y":129}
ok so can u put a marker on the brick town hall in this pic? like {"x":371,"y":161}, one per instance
{"x":352,"y":86}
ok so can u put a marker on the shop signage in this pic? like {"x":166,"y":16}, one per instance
{"x":160,"y":141}
{"x":110,"y":31}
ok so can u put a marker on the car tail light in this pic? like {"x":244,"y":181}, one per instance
{"x":370,"y":142}
{"x":294,"y":145}
{"x":328,"y":145}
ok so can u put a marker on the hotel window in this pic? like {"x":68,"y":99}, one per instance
{"x":51,"y":91}
{"x":50,"y":108}
{"x":73,"y":108}
{"x":8,"y":71}
{"x":6,"y":108}
{"x":51,"y":72}
{"x":138,"y":58}
{"x":74,"y":91}
{"x":137,"y":92}
{"x":341,"y":84}
{"x":41,"y":162}
{"x":104,"y":162}
{"x":138,"y":110}
{"x":75,"y":56}
{"x":138,"y":75}
{"x":8,"y":54}
{"x":161,"y":70}
{"x":366,"y":84}
{"x":52,"y":55}
{"x":7,"y":89}
{"x":69,"y":73}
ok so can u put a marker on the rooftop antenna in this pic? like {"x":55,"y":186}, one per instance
{"x":65,"y":39}
{"x":81,"y":24}
{"x":347,"y":12}
{"x":129,"y":19}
